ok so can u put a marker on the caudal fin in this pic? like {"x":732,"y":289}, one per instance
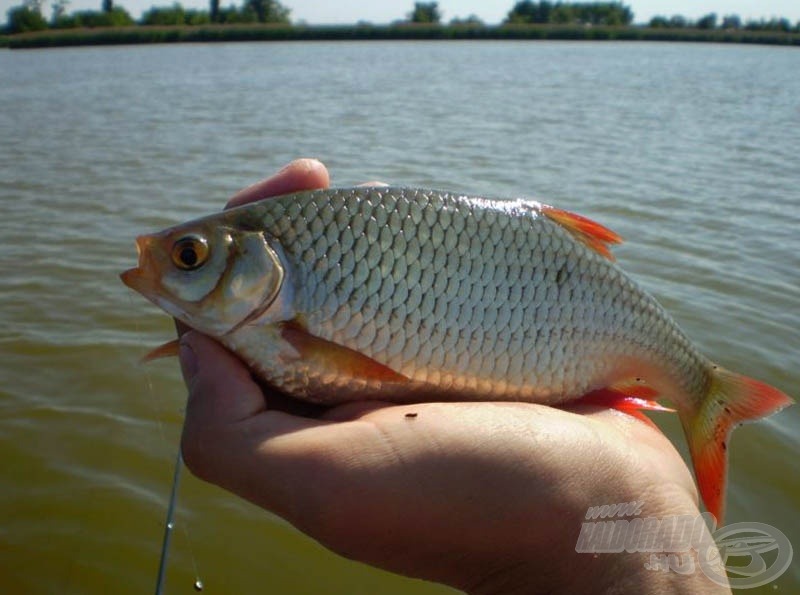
{"x":731,"y":400}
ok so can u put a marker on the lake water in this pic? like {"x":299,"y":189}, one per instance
{"x":689,"y":151}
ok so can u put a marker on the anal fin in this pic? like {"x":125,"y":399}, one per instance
{"x":630,"y":397}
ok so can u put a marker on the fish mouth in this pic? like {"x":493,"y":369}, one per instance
{"x":140,"y":278}
{"x":134,"y":278}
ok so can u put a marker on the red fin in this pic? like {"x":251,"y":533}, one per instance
{"x":630,"y":398}
{"x":168,"y":349}
{"x":607,"y":397}
{"x":332,"y":356}
{"x":592,"y":234}
{"x":731,"y":400}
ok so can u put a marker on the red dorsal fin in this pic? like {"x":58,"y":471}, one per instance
{"x":334,"y":357}
{"x":168,"y":349}
{"x":592,"y":234}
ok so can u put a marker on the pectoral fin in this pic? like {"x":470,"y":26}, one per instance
{"x":168,"y":349}
{"x":328,"y":355}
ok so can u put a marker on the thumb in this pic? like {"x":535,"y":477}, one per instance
{"x":221,"y":390}
{"x":221,"y":395}
{"x":232,"y":439}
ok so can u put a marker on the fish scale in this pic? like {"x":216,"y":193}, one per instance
{"x":411,"y":295}
{"x":518,"y":253}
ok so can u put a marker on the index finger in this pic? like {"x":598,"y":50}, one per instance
{"x":300,"y":174}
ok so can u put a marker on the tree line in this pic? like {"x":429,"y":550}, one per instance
{"x":616,"y":13}
{"x":28,"y":16}
{"x":730,"y":22}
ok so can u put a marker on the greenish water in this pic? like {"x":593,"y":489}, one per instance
{"x":689,"y":151}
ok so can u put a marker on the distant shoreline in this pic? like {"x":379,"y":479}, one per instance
{"x":265,"y":32}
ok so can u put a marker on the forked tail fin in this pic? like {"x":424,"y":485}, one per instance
{"x":731,"y":400}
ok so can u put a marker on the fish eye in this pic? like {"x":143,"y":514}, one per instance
{"x":190,"y":252}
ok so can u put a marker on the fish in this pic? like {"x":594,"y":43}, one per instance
{"x":409,"y":295}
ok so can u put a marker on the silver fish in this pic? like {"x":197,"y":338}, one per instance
{"x":408,"y":295}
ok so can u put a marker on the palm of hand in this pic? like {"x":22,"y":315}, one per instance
{"x":366,"y":479}
{"x":455,"y":492}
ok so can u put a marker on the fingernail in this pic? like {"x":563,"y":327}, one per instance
{"x":188,"y":360}
{"x":307,"y":163}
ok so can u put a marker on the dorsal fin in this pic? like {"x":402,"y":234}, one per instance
{"x":588,"y":232}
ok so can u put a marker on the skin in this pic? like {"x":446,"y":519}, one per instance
{"x":485,"y":497}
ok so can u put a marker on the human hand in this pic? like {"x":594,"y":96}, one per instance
{"x":486,"y":497}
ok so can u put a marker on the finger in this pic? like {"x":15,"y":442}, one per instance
{"x":231,"y":438}
{"x":300,"y":174}
{"x":181,"y":327}
{"x":220,"y":386}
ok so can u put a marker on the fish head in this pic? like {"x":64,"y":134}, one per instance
{"x":209,"y":274}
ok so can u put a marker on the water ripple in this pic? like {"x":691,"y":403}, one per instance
{"x":689,"y":151}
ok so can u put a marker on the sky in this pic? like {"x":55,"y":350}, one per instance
{"x":490,"y":11}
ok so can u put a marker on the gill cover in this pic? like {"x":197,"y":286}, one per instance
{"x":235,"y":281}
{"x":252,"y":281}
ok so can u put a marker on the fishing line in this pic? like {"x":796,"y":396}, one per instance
{"x":169,"y":522}
{"x":169,"y":525}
